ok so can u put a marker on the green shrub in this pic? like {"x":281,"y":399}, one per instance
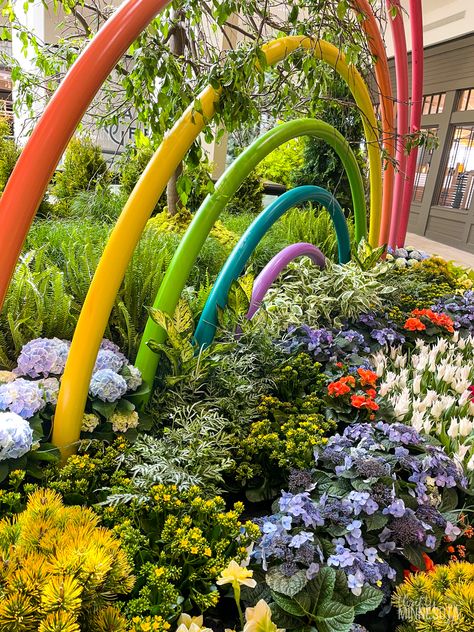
{"x":101,"y":205}
{"x":84,"y":169}
{"x":9,"y":153}
{"x":283,"y":162}
{"x":248,"y":197}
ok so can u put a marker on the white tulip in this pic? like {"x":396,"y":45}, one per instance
{"x":465,"y":426}
{"x":417,"y":421}
{"x":417,"y":384}
{"x":453,"y":430}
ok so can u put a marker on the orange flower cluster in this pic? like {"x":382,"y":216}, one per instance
{"x":441,"y":320}
{"x":429,"y":566}
{"x":344,"y":385}
{"x":341,"y":386}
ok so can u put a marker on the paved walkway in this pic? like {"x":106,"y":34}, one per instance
{"x":435,"y":248}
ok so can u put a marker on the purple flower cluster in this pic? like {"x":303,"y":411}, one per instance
{"x":376,"y":492}
{"x":460,"y":308}
{"x":326,"y":345}
{"x":107,"y":385}
{"x":42,"y":357}
{"x":22,"y":397}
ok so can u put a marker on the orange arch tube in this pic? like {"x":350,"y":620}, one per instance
{"x":44,"y":149}
{"x":382,"y":75}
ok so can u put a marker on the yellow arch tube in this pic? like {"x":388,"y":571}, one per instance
{"x":131,"y":223}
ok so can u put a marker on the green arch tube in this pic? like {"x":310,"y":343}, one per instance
{"x":190,"y":245}
{"x":239,"y":256}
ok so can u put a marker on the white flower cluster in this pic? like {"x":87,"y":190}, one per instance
{"x":428,"y":388}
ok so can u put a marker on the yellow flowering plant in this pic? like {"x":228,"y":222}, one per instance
{"x":180,"y":542}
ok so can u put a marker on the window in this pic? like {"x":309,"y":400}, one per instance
{"x":434,"y":103}
{"x":466,"y":100}
{"x":423,"y":163}
{"x":458,"y":180}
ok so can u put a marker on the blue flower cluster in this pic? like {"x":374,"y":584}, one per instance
{"x":376,"y":492}
{"x":460,"y":308}
{"x":42,"y":357}
{"x":22,"y":397}
{"x":16,"y":436}
{"x":107,"y":385}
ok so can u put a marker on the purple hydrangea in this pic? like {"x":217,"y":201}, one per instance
{"x":43,"y":357}
{"x":108,"y":359}
{"x":22,"y":397}
{"x":16,"y":436}
{"x":107,"y":385}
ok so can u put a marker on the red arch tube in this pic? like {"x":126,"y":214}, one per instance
{"x":417,"y":64}
{"x":401,"y":69}
{"x":53,"y":131}
{"x":382,"y":75}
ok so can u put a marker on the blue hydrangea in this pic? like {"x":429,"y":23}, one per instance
{"x":108,"y":359}
{"x":22,"y":397}
{"x":16,"y":436}
{"x":50,"y":388}
{"x":43,"y":357}
{"x":107,"y":385}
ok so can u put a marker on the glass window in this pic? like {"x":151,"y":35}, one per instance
{"x":458,"y":180}
{"x":423,"y":163}
{"x":466,"y":100}
{"x":434,"y":103}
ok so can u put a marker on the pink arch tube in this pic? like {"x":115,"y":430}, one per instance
{"x":276,"y":265}
{"x":53,"y":131}
{"x":417,"y":58}
{"x":401,"y":69}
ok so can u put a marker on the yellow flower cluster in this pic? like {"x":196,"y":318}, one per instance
{"x":439,"y":601}
{"x":149,"y":624}
{"x":58,"y":566}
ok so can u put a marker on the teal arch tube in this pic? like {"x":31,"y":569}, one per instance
{"x":241,"y":253}
{"x":190,"y":245}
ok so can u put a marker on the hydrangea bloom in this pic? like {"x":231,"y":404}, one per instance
{"x":7,"y":376}
{"x":376,"y":491}
{"x":43,"y":357}
{"x":132,"y":376}
{"x":121,"y":422}
{"x":16,"y":436}
{"x":21,"y":397}
{"x":108,"y":359}
{"x":90,"y":421}
{"x":107,"y":385}
{"x":50,"y":388}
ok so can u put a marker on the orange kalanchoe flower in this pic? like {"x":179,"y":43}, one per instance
{"x":442,"y":320}
{"x":414,"y":324}
{"x":367,"y":377}
{"x":361,"y":401}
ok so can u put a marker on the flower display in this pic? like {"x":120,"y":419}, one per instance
{"x":376,"y":492}
{"x":121,"y":422}
{"x":22,"y":397}
{"x":16,"y":436}
{"x":429,"y":389}
{"x":43,"y":357}
{"x":107,"y":385}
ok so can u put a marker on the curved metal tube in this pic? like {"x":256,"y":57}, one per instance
{"x":38,"y":160}
{"x":275,"y":267}
{"x":417,"y":56}
{"x":401,"y":70}
{"x":235,"y":264}
{"x":382,"y":74}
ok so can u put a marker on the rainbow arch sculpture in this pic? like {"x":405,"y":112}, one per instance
{"x":31,"y":176}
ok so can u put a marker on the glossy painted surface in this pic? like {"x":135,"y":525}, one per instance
{"x":382,"y":75}
{"x":238,"y":258}
{"x":401,"y":71}
{"x":275,"y":267}
{"x":416,"y":27}
{"x":35,"y":167}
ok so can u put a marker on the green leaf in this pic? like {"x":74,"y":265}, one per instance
{"x":284,"y":620}
{"x":106,"y":409}
{"x":288,"y":604}
{"x":375,"y":522}
{"x":46,"y":452}
{"x":288,"y":586}
{"x":321,"y":587}
{"x":4,"y":470}
{"x":183,"y":318}
{"x":414,"y":556}
{"x":334,"y":617}
{"x":449,"y":500}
